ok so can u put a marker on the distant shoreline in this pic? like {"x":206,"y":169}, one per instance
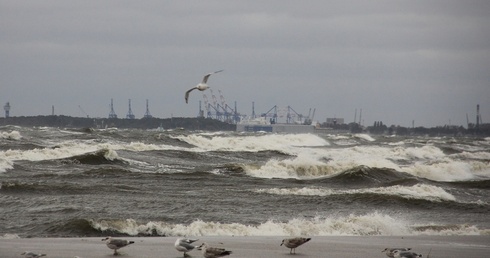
{"x":206,"y":124}
{"x":210,"y":124}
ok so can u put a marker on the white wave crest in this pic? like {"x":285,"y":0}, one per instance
{"x":426,"y":162}
{"x":371,"y":224}
{"x":479,"y":155}
{"x":10,"y":236}
{"x":374,"y":223}
{"x":418,"y":191}
{"x":365,"y":137}
{"x":446,"y":170}
{"x":279,"y":142}
{"x":5,"y":165}
{"x":73,"y":148}
{"x":300,"y":167}
{"x":14,"y":135}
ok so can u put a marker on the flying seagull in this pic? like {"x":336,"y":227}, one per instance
{"x":294,"y":242}
{"x":201,"y":86}
{"x":184,"y":245}
{"x":116,"y":243}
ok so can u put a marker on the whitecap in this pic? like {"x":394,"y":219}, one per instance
{"x":365,"y":137}
{"x":10,"y":236}
{"x":13,"y":135}
{"x":418,"y":191}
{"x":375,"y":223}
{"x":252,"y":143}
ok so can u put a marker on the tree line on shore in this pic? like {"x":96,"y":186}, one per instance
{"x":379,"y":128}
{"x":209,"y":124}
{"x":206,"y":124}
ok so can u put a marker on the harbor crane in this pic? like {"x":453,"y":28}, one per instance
{"x":81,"y":110}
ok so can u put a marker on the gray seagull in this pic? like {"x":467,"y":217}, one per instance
{"x":116,"y":243}
{"x":294,"y":242}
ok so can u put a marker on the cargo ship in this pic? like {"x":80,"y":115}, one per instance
{"x":261,"y":124}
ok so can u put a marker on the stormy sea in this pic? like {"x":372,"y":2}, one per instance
{"x":96,"y":182}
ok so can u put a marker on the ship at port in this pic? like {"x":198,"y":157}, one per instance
{"x":267,"y":122}
{"x":261,"y":124}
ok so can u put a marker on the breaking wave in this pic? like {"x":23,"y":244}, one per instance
{"x":275,"y":142}
{"x":13,"y":135}
{"x":104,"y":156}
{"x":352,"y":225}
{"x":418,"y":191}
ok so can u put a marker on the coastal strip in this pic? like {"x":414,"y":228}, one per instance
{"x":254,"y":246}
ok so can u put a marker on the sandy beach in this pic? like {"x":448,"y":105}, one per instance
{"x":325,"y":246}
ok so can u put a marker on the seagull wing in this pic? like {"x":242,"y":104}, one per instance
{"x":186,"y":246}
{"x":188,"y":240}
{"x":205,"y":79}
{"x":187,"y":94}
{"x":119,"y":242}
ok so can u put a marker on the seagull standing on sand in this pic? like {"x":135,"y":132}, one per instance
{"x":294,"y":242}
{"x":390,"y":252}
{"x":404,"y":254}
{"x":201,"y":86}
{"x":116,"y":243}
{"x":184,"y":245}
{"x":28,"y":254}
{"x":212,"y":252}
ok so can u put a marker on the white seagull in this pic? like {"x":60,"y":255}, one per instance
{"x":294,"y":242}
{"x":116,"y":243}
{"x":184,"y":245}
{"x":403,"y":254}
{"x":212,"y":252}
{"x":201,"y":86}
{"x":28,"y":254}
{"x":390,"y":252}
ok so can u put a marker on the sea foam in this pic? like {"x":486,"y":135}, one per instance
{"x":426,"y":162}
{"x":278,"y":142}
{"x":13,"y":135}
{"x":375,"y":223}
{"x":418,"y":191}
{"x":5,"y":165}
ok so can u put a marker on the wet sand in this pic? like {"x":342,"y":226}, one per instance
{"x":263,"y":246}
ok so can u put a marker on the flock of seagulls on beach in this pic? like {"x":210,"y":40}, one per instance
{"x":185,"y":245}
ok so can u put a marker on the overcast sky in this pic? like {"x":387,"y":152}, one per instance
{"x":398,"y":61}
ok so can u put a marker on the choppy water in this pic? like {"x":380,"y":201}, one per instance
{"x":62,"y":182}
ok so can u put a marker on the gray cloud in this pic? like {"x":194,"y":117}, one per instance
{"x":399,"y":61}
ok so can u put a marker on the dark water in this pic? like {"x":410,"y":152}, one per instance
{"x":83,"y":182}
